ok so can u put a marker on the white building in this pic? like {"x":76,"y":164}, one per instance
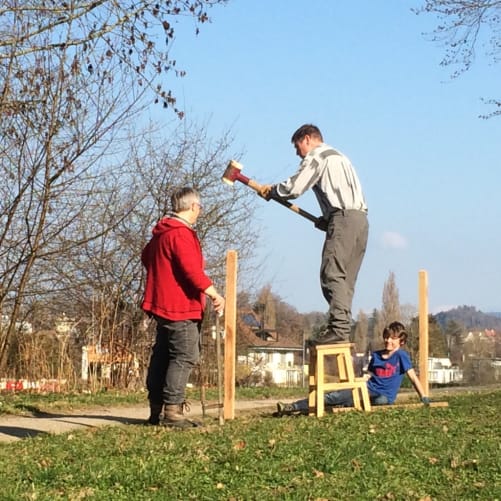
{"x":441,"y":371}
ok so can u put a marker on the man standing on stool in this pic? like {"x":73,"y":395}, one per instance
{"x":176,"y":286}
{"x":335,"y":183}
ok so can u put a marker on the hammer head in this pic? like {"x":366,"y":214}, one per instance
{"x":232,"y":173}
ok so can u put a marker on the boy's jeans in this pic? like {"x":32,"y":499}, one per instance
{"x":176,"y":351}
{"x":341,"y":398}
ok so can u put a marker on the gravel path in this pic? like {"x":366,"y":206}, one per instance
{"x":14,"y":428}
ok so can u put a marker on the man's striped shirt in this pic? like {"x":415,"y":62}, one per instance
{"x":331,"y":176}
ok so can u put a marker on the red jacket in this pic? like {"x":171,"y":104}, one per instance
{"x":175,"y":277}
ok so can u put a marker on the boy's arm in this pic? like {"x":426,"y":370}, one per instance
{"x":411,"y":373}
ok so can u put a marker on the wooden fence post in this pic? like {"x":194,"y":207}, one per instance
{"x":230,"y":327}
{"x":423,"y":330}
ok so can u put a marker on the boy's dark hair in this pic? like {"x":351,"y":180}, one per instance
{"x":396,"y":330}
{"x":306,"y":130}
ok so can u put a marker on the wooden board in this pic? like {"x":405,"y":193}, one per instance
{"x":394,"y":406}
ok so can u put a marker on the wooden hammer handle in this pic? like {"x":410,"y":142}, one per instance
{"x":257,"y":187}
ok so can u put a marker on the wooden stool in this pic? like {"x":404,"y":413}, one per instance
{"x":347,"y":380}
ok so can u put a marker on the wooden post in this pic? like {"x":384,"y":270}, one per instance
{"x":220,"y":392}
{"x":230,"y":327}
{"x":423,"y":330}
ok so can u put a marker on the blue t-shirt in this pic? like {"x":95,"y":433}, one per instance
{"x":387,"y":373}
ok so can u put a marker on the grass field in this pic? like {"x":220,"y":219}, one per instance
{"x":26,"y":403}
{"x":450,"y":453}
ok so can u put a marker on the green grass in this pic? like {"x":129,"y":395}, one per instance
{"x":22,"y":403}
{"x":450,"y":453}
{"x":35,"y":403}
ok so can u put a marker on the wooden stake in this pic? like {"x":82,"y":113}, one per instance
{"x":423,"y":330}
{"x":393,"y":406}
{"x":230,"y":327}
{"x":219,"y":374}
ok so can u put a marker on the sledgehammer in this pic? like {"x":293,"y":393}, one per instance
{"x":233,"y":173}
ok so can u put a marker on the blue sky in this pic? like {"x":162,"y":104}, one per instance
{"x":363,"y":71}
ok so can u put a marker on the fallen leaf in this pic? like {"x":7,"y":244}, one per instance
{"x":241,"y":444}
{"x":356,"y":464}
{"x":470,"y":463}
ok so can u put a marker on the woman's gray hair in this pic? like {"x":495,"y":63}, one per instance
{"x":182,"y":198}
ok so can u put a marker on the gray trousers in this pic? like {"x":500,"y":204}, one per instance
{"x":342,"y":255}
{"x":175,"y":352}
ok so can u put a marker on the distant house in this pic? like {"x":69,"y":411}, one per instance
{"x":21,"y":326}
{"x":271,"y":357}
{"x":441,"y":371}
{"x":100,"y":362}
{"x":486,"y":334}
{"x":496,"y":365}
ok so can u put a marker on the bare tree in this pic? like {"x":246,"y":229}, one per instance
{"x":390,"y":311}
{"x":376,"y":326}
{"x":360,"y":336}
{"x":96,"y":38}
{"x":101,"y":281}
{"x":71,"y":75}
{"x":464,"y":26}
{"x":455,"y":334}
{"x":436,"y":339}
{"x":266,"y":307}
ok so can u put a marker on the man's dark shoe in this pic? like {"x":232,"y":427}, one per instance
{"x":156,"y":414}
{"x":286,"y":410}
{"x":327,"y":337}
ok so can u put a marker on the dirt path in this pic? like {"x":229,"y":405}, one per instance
{"x":14,"y":428}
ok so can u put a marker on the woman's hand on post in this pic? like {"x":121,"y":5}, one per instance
{"x":218,"y":303}
{"x":216,"y":298}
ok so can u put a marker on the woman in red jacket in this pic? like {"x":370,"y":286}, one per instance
{"x":176,"y":286}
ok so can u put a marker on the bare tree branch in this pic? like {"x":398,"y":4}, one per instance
{"x":464,"y":26}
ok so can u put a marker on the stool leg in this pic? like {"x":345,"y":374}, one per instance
{"x":341,"y":366}
{"x":312,"y":367}
{"x":319,"y":374}
{"x":356,"y":398}
{"x":350,"y":373}
{"x":365,"y":398}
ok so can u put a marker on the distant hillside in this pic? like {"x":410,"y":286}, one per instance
{"x":470,"y":318}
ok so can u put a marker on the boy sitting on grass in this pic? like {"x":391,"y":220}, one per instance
{"x":387,"y":368}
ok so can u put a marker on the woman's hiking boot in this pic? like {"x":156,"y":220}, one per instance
{"x":174,"y":417}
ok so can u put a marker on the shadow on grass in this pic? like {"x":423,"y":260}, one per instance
{"x":21,"y":432}
{"x":45,"y":423}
